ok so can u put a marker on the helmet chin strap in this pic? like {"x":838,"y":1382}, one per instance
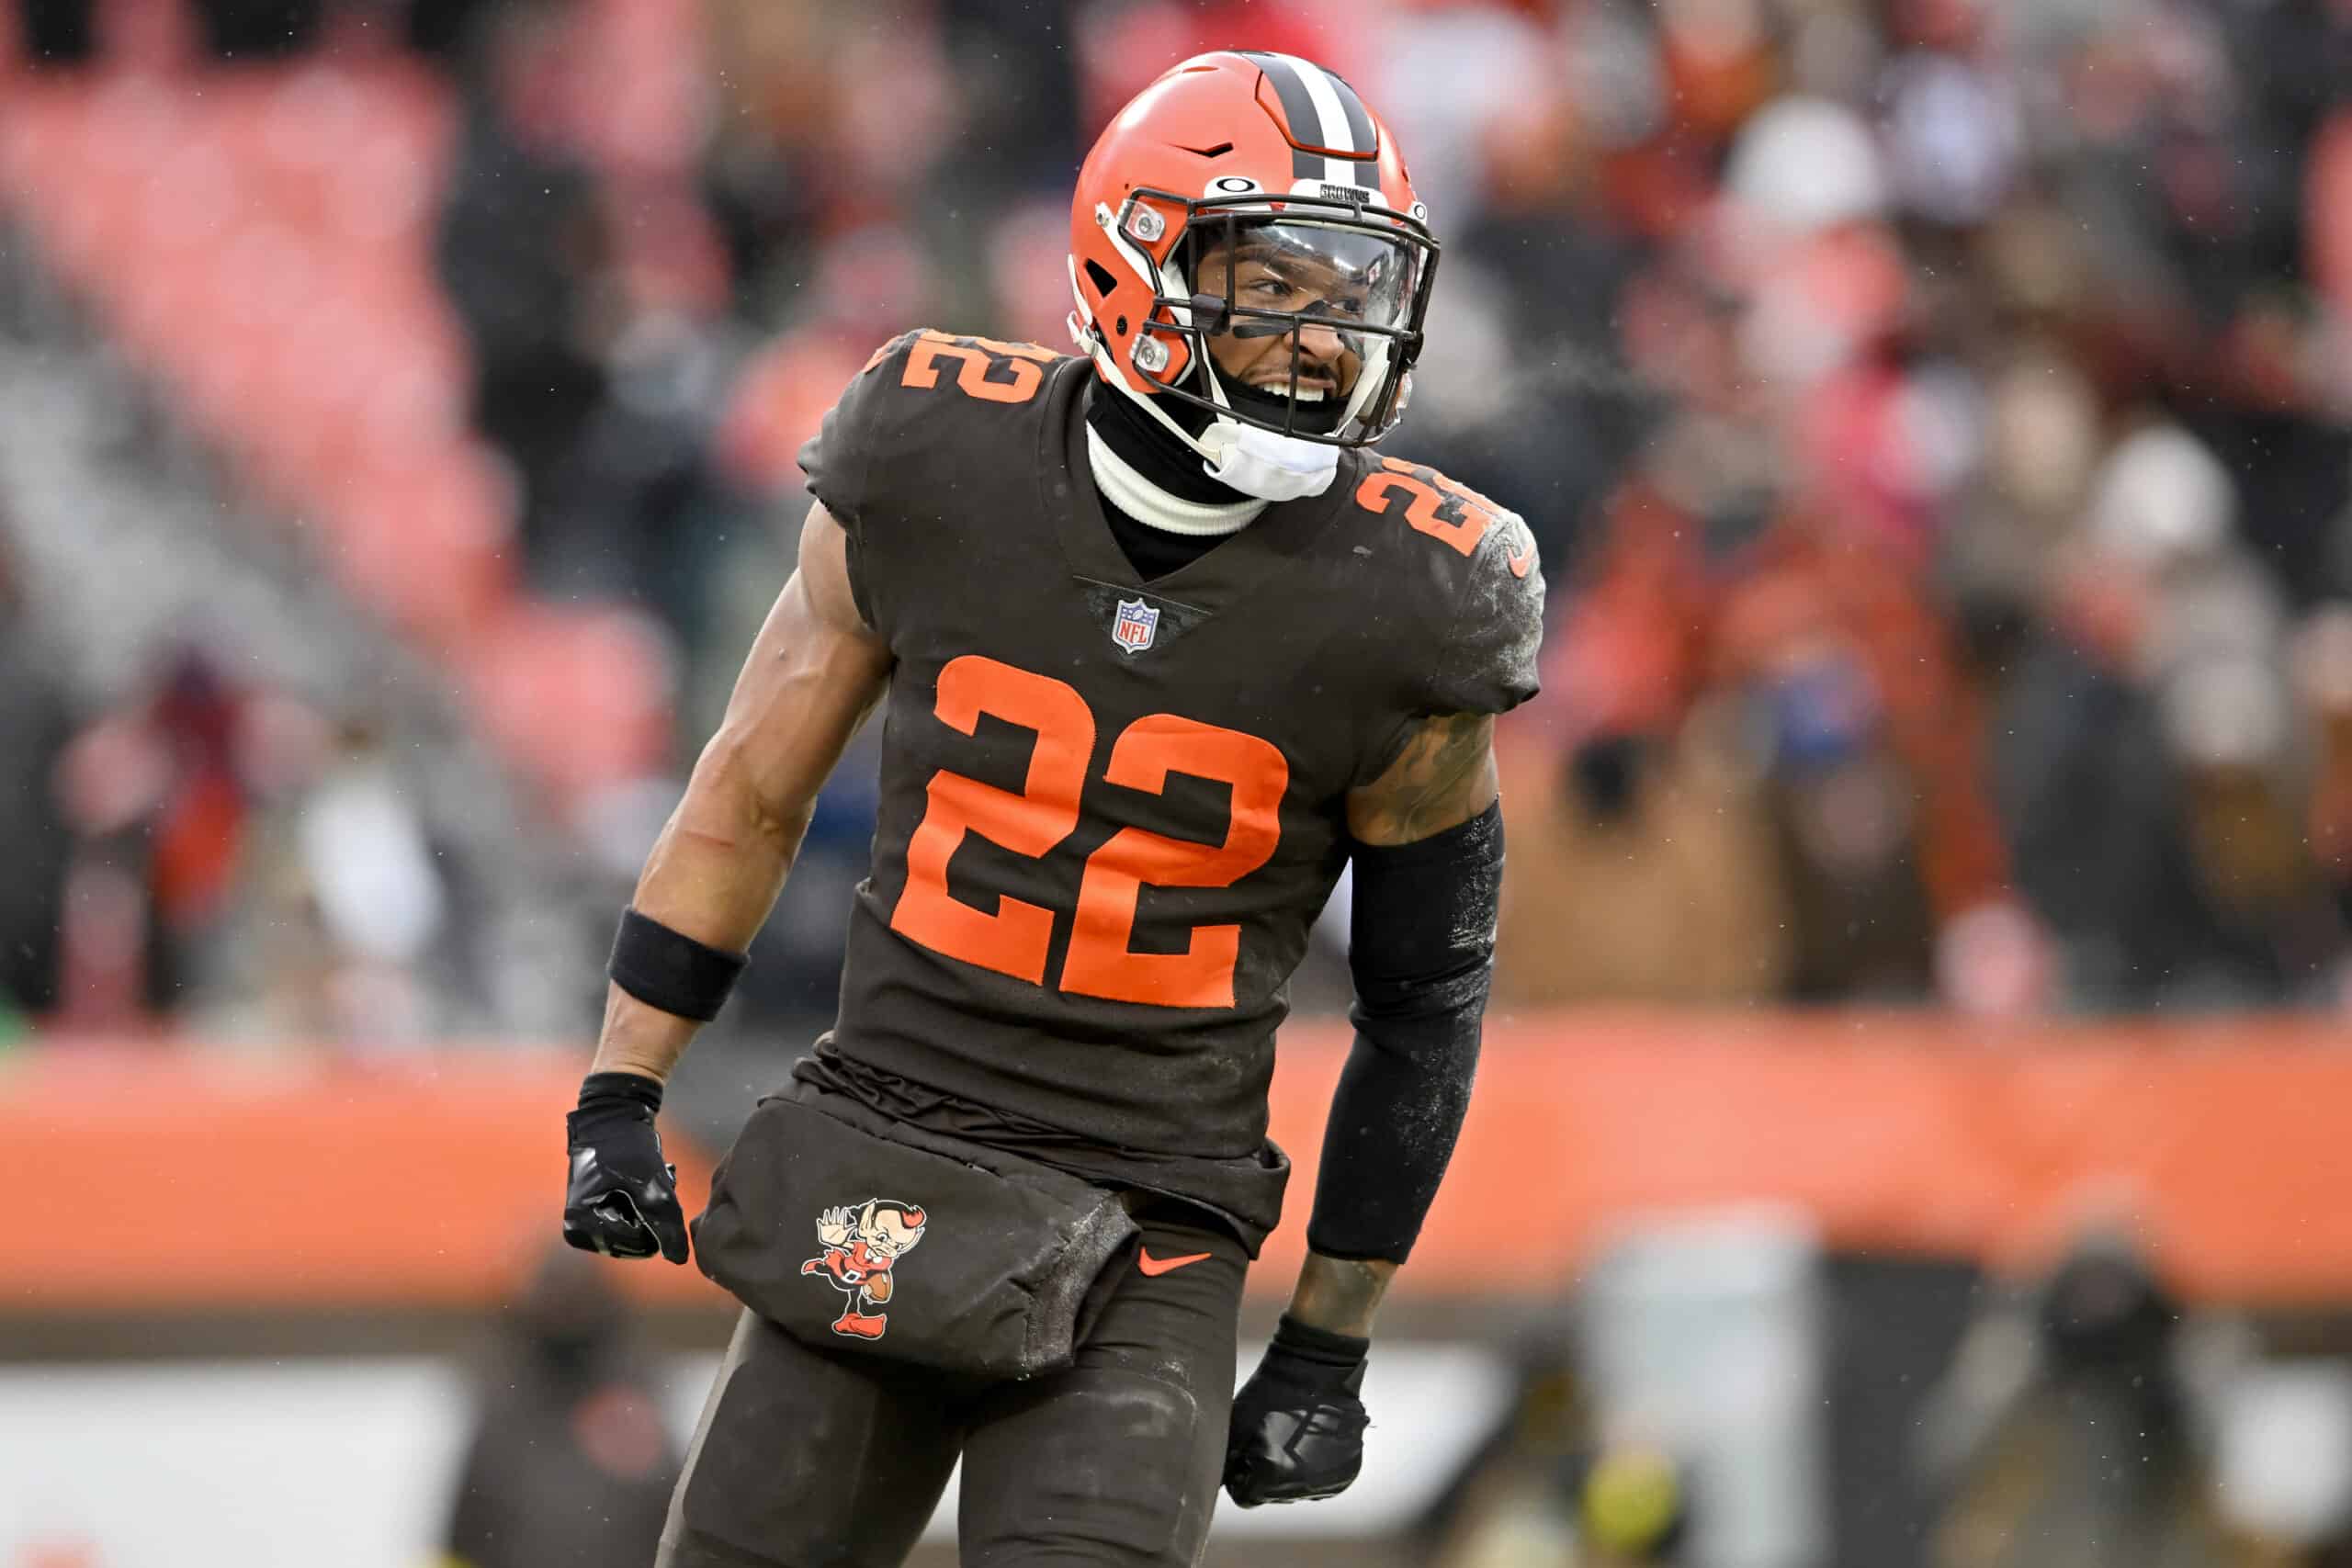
{"x":1261,"y":462}
{"x":1258,"y":463}
{"x":1269,"y":465}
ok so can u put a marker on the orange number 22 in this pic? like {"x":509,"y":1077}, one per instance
{"x":1015,"y":937}
{"x":977,"y":359}
{"x":1443,"y":510}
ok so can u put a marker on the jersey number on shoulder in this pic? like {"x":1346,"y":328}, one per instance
{"x":1015,"y":936}
{"x":1434,"y":504}
{"x":985,"y":368}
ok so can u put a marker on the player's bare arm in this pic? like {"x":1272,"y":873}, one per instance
{"x":1343,"y":1294}
{"x":812,"y":676}
{"x":1444,"y":777}
{"x":814,"y":672}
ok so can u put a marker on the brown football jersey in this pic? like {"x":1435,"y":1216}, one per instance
{"x":1111,"y":809}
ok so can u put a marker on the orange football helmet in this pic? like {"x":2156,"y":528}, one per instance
{"x":1271,"y":169}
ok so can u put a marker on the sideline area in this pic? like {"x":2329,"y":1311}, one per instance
{"x":431,"y":1182}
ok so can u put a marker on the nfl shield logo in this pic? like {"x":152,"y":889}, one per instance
{"x":1136,"y":626}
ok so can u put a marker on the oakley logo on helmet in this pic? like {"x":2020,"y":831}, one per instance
{"x":1233,"y":184}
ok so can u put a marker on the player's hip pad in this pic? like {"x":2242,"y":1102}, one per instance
{"x":859,"y":1234}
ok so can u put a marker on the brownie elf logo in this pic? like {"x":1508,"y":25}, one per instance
{"x":862,"y":1243}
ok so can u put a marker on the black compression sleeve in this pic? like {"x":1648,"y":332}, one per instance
{"x":1422,"y":941}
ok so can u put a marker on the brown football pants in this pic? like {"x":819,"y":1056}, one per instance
{"x":808,"y":1458}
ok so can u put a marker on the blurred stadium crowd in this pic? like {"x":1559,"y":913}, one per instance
{"x":1933,"y":413}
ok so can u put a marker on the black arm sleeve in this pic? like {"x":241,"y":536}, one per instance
{"x":1422,"y":944}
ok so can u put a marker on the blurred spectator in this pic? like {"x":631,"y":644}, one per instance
{"x":343,"y":907}
{"x":586,"y":276}
{"x":1645,"y":869}
{"x":520,"y":249}
{"x":1633,"y":1505}
{"x":1933,"y":416}
{"x":1543,"y":1491}
{"x":2148,"y":747}
{"x":237,"y":861}
{"x":160,"y":795}
{"x":1852,"y":754}
{"x":568,"y":1461}
{"x":2067,"y":1432}
{"x":33,"y":730}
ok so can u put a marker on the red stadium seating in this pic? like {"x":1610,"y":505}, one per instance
{"x":259,"y":242}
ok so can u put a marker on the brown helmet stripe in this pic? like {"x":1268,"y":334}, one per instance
{"x":1302,"y":125}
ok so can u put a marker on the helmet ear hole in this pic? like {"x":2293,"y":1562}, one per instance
{"x":1102,"y":279}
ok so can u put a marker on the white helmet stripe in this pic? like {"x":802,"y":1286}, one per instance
{"x":1335,"y":133}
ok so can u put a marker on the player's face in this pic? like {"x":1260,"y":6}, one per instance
{"x":1340,"y":280}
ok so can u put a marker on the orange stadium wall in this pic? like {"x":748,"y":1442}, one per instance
{"x":187,"y":1180}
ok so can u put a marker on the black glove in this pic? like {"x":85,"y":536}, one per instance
{"x":622,"y":1196}
{"x":1297,"y":1424}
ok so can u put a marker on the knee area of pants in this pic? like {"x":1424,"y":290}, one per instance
{"x":1138,"y":1399}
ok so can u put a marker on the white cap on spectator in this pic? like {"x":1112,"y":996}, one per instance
{"x":2225,"y":713}
{"x":1803,"y":164}
{"x":2162,"y":499}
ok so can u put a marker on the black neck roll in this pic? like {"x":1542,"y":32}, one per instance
{"x":1146,"y":447}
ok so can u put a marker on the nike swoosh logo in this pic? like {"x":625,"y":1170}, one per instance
{"x":1154,"y":1268}
{"x":1520,"y":562}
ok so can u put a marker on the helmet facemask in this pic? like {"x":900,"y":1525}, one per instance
{"x":1303,"y":316}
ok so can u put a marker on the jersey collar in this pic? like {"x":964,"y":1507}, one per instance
{"x":1126,"y":487}
{"x":1236,"y":568}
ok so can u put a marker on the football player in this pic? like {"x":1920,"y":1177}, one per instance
{"x":1163,"y":646}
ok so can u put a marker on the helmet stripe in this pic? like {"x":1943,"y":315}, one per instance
{"x":1360,"y":135}
{"x":1339,"y":123}
{"x":1333,"y":119}
{"x":1298,"y":109}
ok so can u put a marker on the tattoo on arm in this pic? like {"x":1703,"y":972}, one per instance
{"x":1340,"y":1294}
{"x":1444,"y":776}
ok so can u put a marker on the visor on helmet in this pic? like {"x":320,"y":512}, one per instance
{"x":1301,"y":314}
{"x":1301,"y":318}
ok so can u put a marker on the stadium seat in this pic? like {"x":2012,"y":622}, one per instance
{"x":580,"y":696}
{"x":260,"y":241}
